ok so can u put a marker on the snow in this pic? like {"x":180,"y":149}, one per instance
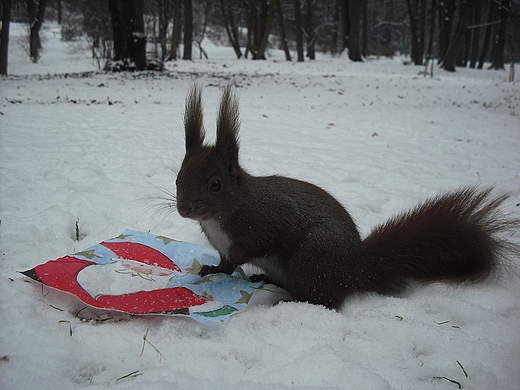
{"x":97,"y":148}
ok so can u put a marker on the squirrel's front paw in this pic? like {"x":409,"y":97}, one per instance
{"x":259,"y":278}
{"x":208,"y":269}
{"x":224,"y":267}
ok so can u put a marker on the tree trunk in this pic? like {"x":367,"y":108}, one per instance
{"x":335,"y":28}
{"x":128,"y":32}
{"x":164,"y":19}
{"x":31,"y":10}
{"x":344,"y":15}
{"x":234,"y":32}
{"x":202,"y":32}
{"x":446,"y":11}
{"x":364,"y":31}
{"x":268,"y":16}
{"x":188,"y":29}
{"x":249,"y":25}
{"x":414,"y":38}
{"x":432,"y":29}
{"x":354,"y":11}
{"x":422,"y":30}
{"x":500,"y":41}
{"x":281,"y":26}
{"x":487,"y":35}
{"x":59,"y":9}
{"x":229,"y":24}
{"x":464,"y":54}
{"x":36,"y":16}
{"x":4,"y":37}
{"x":457,"y":42}
{"x":260,"y":17}
{"x":475,"y":37}
{"x":176,"y":30}
{"x":299,"y":28}
{"x":309,"y":30}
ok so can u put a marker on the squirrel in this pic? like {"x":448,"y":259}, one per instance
{"x":305,"y":240}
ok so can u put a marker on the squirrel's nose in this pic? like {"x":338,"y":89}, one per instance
{"x":185,"y":210}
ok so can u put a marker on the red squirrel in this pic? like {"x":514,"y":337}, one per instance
{"x":304,"y":239}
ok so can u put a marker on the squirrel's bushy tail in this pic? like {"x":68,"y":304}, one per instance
{"x":453,"y":237}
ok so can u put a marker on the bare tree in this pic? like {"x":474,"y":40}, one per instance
{"x":281,"y":26}
{"x":457,"y":41}
{"x":164,"y":11}
{"x":94,"y":21}
{"x":487,"y":35}
{"x":128,"y":32}
{"x":422,"y":29}
{"x":475,"y":36}
{"x":364,"y":30}
{"x":59,"y":11}
{"x":176,"y":30}
{"x":336,"y":23}
{"x":203,"y":8}
{"x":433,"y":13}
{"x":259,"y":19}
{"x":500,"y":40}
{"x":36,"y":11}
{"x":354,"y":30}
{"x":417,"y":15}
{"x":4,"y":37}
{"x":446,"y":13}
{"x":231,"y":27}
{"x":188,"y":29}
{"x":416,"y":55}
{"x":299,"y":30}
{"x":310,"y":30}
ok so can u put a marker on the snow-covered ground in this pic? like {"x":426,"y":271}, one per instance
{"x":95,"y":148}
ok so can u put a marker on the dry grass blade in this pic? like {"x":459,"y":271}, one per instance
{"x":133,"y":374}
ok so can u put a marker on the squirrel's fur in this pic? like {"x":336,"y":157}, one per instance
{"x":304,"y":239}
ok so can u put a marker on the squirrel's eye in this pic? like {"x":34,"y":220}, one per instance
{"x":215,"y":186}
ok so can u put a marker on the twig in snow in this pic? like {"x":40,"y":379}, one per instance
{"x":70,"y":326}
{"x":77,"y":230}
{"x":449,"y":380}
{"x":463,"y":370}
{"x":44,"y":294}
{"x":145,"y":340}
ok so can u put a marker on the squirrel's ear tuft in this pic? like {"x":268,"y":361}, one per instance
{"x":228,"y":124}
{"x":194,"y":119}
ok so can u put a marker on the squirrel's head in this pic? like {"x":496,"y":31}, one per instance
{"x":208,"y":183}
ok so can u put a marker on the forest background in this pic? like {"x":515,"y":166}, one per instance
{"x":138,"y":34}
